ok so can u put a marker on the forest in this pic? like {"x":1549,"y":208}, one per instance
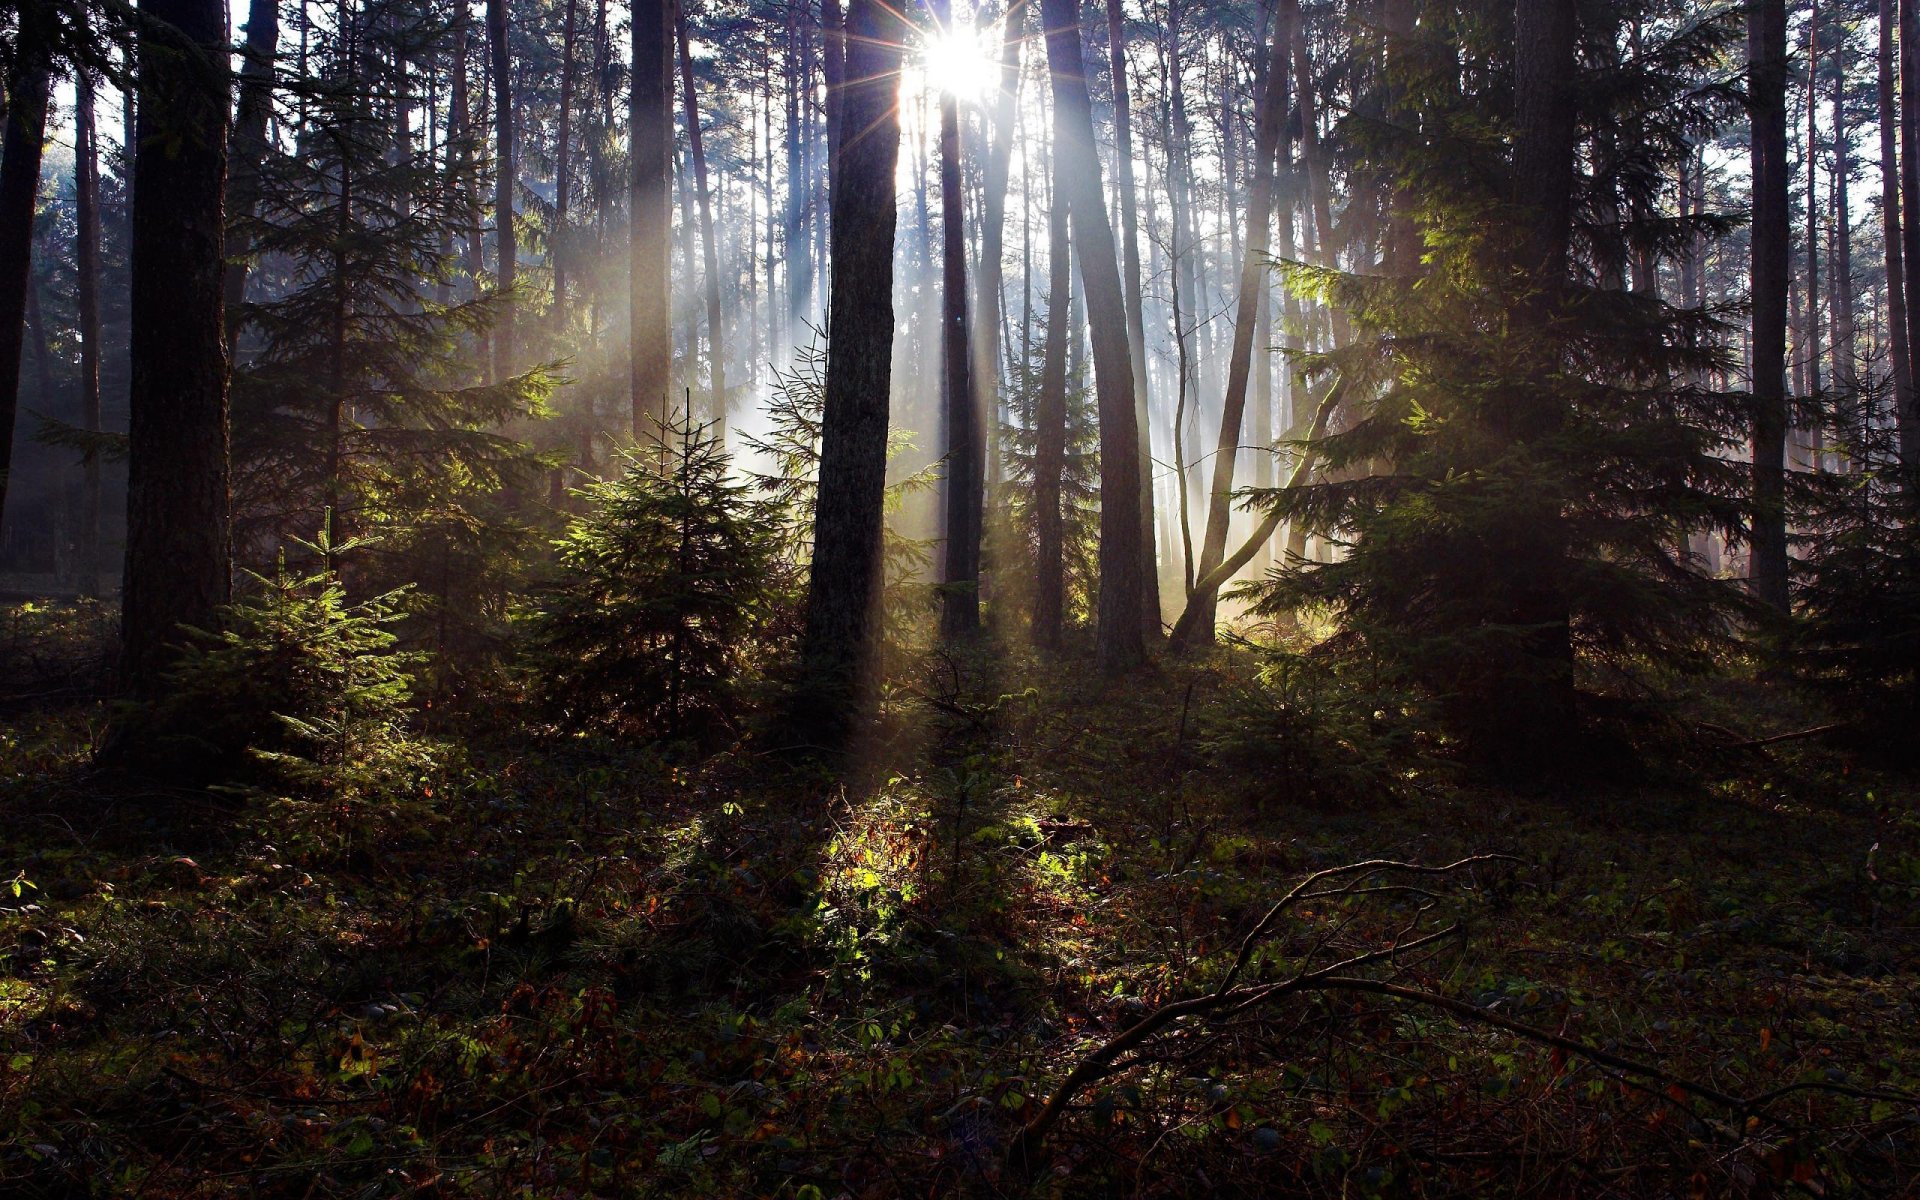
{"x":842,"y":600}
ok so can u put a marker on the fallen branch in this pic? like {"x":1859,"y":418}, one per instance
{"x":1795,"y":736}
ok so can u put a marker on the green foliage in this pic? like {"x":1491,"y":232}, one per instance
{"x":654,"y":623}
{"x":1012,"y":526}
{"x":301,"y":682}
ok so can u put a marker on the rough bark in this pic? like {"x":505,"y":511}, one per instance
{"x":710,"y":253}
{"x":178,"y":556}
{"x":1771,"y":268}
{"x":650,"y":205}
{"x":966,"y":459}
{"x":248,"y":152}
{"x":843,"y":599}
{"x":1119,"y":645}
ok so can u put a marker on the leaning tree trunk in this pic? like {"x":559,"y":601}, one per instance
{"x":1050,"y":419}
{"x":1767,"y":91}
{"x":1119,"y":645}
{"x":26,"y":128}
{"x":843,"y":599}
{"x":86,"y":256}
{"x":1195,"y":626}
{"x":247,"y":154}
{"x":1907,"y":414}
{"x":178,"y":556}
{"x":1136,"y":310}
{"x":505,"y":181}
{"x":716,"y":340}
{"x":966,"y":460}
{"x":650,"y":208}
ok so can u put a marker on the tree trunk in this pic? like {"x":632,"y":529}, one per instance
{"x":847,"y":572}
{"x":1119,"y":646}
{"x":1813,"y":203}
{"x":86,"y":256}
{"x":1767,"y":89}
{"x":988,"y":308}
{"x":505,"y":182}
{"x":966,"y":462}
{"x":1906,"y":412}
{"x":1136,"y":311}
{"x":560,"y":246}
{"x":248,"y":152}
{"x":1846,"y":374}
{"x":1270,"y":117}
{"x":716,"y":341}
{"x":1050,"y":417}
{"x":28,"y":84}
{"x":178,"y":556}
{"x":650,"y":205}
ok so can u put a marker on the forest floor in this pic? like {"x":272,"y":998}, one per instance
{"x":551,"y":968}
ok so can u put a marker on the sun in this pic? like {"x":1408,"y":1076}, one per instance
{"x":960,"y":61}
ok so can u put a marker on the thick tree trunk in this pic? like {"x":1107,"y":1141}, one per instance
{"x":178,"y":556}
{"x":966,"y":461}
{"x":1270,"y":116}
{"x":86,"y":255}
{"x":716,"y":339}
{"x":843,"y":600}
{"x":1136,"y":310}
{"x":248,"y":152}
{"x":650,"y":205}
{"x":1767,"y":89}
{"x":505,"y":183}
{"x":28,"y":83}
{"x":1050,"y":419}
{"x":1119,"y":646}
{"x":1906,"y":411}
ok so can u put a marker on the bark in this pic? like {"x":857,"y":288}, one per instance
{"x":1907,"y":414}
{"x":650,"y":205}
{"x":1771,"y":268}
{"x":988,"y":306}
{"x":1813,"y":203}
{"x":1270,"y":117}
{"x":843,"y":600}
{"x":1119,"y":646}
{"x":1846,"y":375}
{"x":716,"y":341}
{"x":1050,"y":420}
{"x":833,"y":22}
{"x":178,"y":556}
{"x":28,"y":85}
{"x":86,"y":255}
{"x":505,"y":181}
{"x":966,"y":459}
{"x":248,"y":152}
{"x":563,"y":170}
{"x":1136,"y":310}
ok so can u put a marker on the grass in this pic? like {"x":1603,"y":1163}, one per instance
{"x":571,"y":969}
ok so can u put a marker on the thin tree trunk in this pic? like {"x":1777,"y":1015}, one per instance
{"x":716,"y":341}
{"x":505,"y":182}
{"x":966,"y":460}
{"x":847,"y":572}
{"x":1813,"y":203}
{"x":1906,"y":412}
{"x":28,"y":85}
{"x":248,"y":152}
{"x":989,"y":313}
{"x":178,"y":556}
{"x":1846,"y":375}
{"x":560,"y":242}
{"x":86,"y":256}
{"x":1050,"y":417}
{"x":1136,"y":310}
{"x":1119,"y":646}
{"x":1196,"y":627}
{"x":1767,"y":89}
{"x":650,"y":206}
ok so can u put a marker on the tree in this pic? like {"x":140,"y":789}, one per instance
{"x":650,"y":209}
{"x":839,"y":647}
{"x":1136,"y":309}
{"x":1120,"y":645}
{"x":716,"y":336}
{"x":1767,"y":92}
{"x":1906,"y":408}
{"x":28,"y":81}
{"x":1050,"y":417}
{"x":965,"y":431}
{"x":178,"y":554}
{"x":245,"y":157}
{"x":86,"y":236}
{"x":505,"y":183}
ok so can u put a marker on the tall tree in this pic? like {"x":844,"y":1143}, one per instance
{"x":248,"y":152}
{"x":1906,"y":411}
{"x":86,"y":255}
{"x":966,"y":477}
{"x":178,"y":554}
{"x":987,"y":308}
{"x":505,"y":183}
{"x":29,"y":78}
{"x":1050,"y":416}
{"x":561,"y":243}
{"x":710,"y":257}
{"x":1119,"y":645}
{"x":1136,"y":306}
{"x":1771,"y":267}
{"x":843,"y":596}
{"x":650,"y":209}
